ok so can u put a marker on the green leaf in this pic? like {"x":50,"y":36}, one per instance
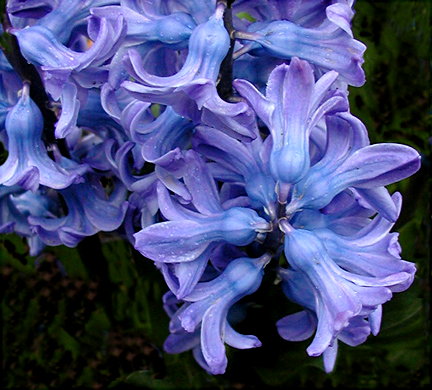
{"x":145,"y":379}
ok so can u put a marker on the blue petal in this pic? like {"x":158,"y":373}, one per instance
{"x":297,"y":327}
{"x":329,"y":357}
{"x":240,"y":341}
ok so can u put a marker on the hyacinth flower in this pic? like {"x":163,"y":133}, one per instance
{"x":302,"y":325}
{"x":44,"y":44}
{"x":181,"y":341}
{"x":342,"y":135}
{"x":171,"y":30}
{"x":343,"y":166}
{"x":371,"y":251}
{"x":339,"y":295}
{"x":176,"y":239}
{"x":207,"y":306}
{"x":191,"y":92}
{"x":246,"y":161}
{"x":17,"y":205}
{"x":217,"y":190}
{"x":89,"y":211}
{"x":161,"y":139}
{"x":28,"y":164}
{"x":293,"y":105}
{"x":329,"y":46}
{"x":188,"y":236}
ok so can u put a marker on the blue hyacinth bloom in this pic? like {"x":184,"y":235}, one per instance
{"x":329,"y":46}
{"x":292,"y":107}
{"x":189,"y":234}
{"x":209,"y":182}
{"x":208,"y":304}
{"x":246,"y":162}
{"x":28,"y":163}
{"x":339,"y":295}
{"x":368,"y":167}
{"x":192,"y":90}
{"x":89,"y":211}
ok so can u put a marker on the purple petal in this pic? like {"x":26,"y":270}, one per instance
{"x":212,"y":338}
{"x":329,"y":357}
{"x":296,"y":327}
{"x":174,"y":241}
{"x":379,"y":165}
{"x":69,"y":113}
{"x":240,"y":341}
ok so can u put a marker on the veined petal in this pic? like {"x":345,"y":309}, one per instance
{"x":182,"y":277}
{"x":261,"y":105}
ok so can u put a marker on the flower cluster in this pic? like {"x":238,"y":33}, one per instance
{"x":277,"y":175}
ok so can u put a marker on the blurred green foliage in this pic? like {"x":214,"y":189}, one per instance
{"x":92,"y":317}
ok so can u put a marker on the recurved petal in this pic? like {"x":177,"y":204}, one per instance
{"x":329,"y":357}
{"x":183,"y":277}
{"x":380,"y":200}
{"x":297,"y":327}
{"x":40,"y":47}
{"x":261,"y":105}
{"x":181,"y":342}
{"x":201,"y":185}
{"x":212,"y":344}
{"x":378,"y":165}
{"x":240,"y":341}
{"x":341,"y":15}
{"x":69,"y":112}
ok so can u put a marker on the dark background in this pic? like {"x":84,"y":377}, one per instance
{"x":91,"y":317}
